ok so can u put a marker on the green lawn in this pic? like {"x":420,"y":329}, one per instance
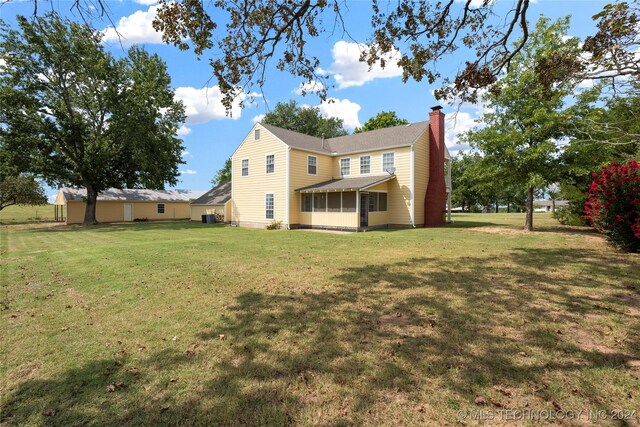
{"x":185,"y":323}
{"x":27,"y":213}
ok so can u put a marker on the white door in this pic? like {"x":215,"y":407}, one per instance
{"x":128,"y":212}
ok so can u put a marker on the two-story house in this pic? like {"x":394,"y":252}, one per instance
{"x":393,"y":177}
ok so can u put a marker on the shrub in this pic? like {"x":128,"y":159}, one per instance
{"x":571,"y":214}
{"x":613,"y":207}
{"x":275,"y":225}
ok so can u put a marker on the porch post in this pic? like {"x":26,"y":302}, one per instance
{"x":357,"y":210}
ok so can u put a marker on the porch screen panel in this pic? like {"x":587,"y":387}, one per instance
{"x":333,"y":202}
{"x":319,"y":202}
{"x":349,"y":201}
{"x":382,"y":202}
{"x":307,"y":202}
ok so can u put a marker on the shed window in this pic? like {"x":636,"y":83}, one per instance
{"x":269,"y":206}
{"x":160,"y":208}
{"x":365,"y":164}
{"x":245,"y":167}
{"x":345,"y":167}
{"x":333,"y":202}
{"x":271,"y":163}
{"x":307,"y":202}
{"x":349,"y":201}
{"x":388,"y":161}
{"x":312,"y":165}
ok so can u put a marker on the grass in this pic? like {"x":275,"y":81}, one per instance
{"x":27,"y":213}
{"x":185,"y":323}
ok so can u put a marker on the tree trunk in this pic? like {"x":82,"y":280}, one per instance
{"x":90,"y":211}
{"x":553,"y":205}
{"x":508,"y":204}
{"x":497,"y":206}
{"x":528,"y":223}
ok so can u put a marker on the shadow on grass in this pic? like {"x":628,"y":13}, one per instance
{"x":384,"y":333}
{"x":126,"y":226}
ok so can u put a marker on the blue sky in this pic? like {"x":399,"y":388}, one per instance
{"x":210,"y":136}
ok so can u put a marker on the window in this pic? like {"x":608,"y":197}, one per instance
{"x":268,"y":204}
{"x":388,"y":161}
{"x":349,"y":201}
{"x":271,"y":163}
{"x":365,"y":164}
{"x":160,"y":208}
{"x":333,"y":202}
{"x":319,"y":202}
{"x":345,"y":167}
{"x":373,"y":202}
{"x":256,"y":134}
{"x":245,"y":167}
{"x":312,"y":165}
{"x":382,"y":202}
{"x":307,"y":202}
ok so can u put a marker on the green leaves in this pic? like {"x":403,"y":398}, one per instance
{"x":305,"y":120}
{"x":383,"y":119}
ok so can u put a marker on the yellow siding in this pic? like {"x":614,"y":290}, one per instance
{"x":248,"y":203}
{"x":330,"y":219}
{"x":113,"y":211}
{"x":378,"y":218}
{"x":300,"y":178}
{"x":198,"y":211}
{"x":421,"y":176}
{"x":227,"y":211}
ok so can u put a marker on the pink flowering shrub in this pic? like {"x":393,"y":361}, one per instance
{"x":613,"y":207}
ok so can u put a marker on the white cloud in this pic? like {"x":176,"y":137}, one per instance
{"x":341,"y":109}
{"x":258,"y":118}
{"x":135,"y":28}
{"x":309,"y":87}
{"x":348,"y":71}
{"x":188,"y":172}
{"x":454,"y":125}
{"x":205,"y":104}
{"x":186,"y":153}
{"x":146,"y":2}
{"x":184,"y":130}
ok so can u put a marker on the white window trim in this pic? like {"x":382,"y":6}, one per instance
{"x":248,"y":167}
{"x":382,"y":159}
{"x":340,"y":165}
{"x":265,"y":206}
{"x":164,"y":208}
{"x":315,"y":157}
{"x":274,"y":164}
{"x":360,"y":164}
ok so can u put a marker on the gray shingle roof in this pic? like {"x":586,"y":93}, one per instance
{"x":127,"y":194}
{"x":373,"y":140}
{"x":344,"y":184}
{"x":218,"y":195}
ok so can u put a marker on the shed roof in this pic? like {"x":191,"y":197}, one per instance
{"x":347,"y":184}
{"x":218,"y":195}
{"x":396,"y":136}
{"x":125,"y":195}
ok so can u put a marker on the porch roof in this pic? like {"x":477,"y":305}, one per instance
{"x":347,"y":184}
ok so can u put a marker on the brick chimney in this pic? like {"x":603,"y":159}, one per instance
{"x":435,"y":201}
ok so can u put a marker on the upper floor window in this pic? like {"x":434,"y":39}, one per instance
{"x":312,"y":165}
{"x":365,"y":164}
{"x":256,"y":134}
{"x":245,"y":167}
{"x":388,"y":161}
{"x":271,"y":163}
{"x":345,"y":167}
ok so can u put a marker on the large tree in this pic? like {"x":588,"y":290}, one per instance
{"x":527,"y":112}
{"x":21,"y":190}
{"x":307,"y":120}
{"x":74,"y":115}
{"x":384,"y":119}
{"x":224,"y":174}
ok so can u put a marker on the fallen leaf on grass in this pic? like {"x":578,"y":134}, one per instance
{"x":192,"y":349}
{"x":481,"y":401}
{"x":133,"y":371}
{"x":116,"y":386}
{"x":49,"y":412}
